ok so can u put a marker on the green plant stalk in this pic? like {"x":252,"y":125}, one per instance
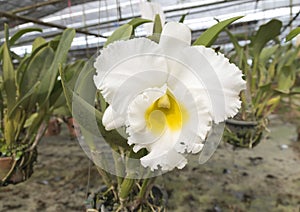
{"x":126,"y":188}
{"x":106,"y":177}
{"x":120,"y":167}
{"x":145,"y":188}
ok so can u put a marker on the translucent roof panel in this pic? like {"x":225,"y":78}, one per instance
{"x":95,"y":20}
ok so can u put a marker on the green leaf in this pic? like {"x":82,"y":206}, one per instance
{"x":266,"y":53}
{"x":9,"y":83}
{"x":30,"y":120}
{"x":124,"y":32}
{"x":25,"y":98}
{"x":295,"y":90}
{"x":38,"y":70}
{"x":208,"y":37}
{"x":286,"y":79}
{"x":60,"y":57}
{"x":182,"y":18}
{"x":157,"y":27}
{"x":138,"y":21}
{"x":57,"y":98}
{"x":265,"y":33}
{"x":81,"y":100}
{"x":37,"y":43}
{"x":292,"y":34}
{"x":20,"y":33}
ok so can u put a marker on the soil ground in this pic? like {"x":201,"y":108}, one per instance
{"x":266,"y":178}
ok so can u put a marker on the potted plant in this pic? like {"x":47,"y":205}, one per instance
{"x":269,"y":66}
{"x":30,"y":92}
{"x":127,"y":174}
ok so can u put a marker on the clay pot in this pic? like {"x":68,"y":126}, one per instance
{"x":14,"y":171}
{"x":73,"y":127}
{"x":54,"y":127}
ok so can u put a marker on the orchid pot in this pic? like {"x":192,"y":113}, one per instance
{"x":16,"y":170}
{"x":270,"y":66}
{"x":30,"y":92}
{"x":243,"y":134}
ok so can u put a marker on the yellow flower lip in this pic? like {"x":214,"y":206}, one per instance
{"x":165,"y":112}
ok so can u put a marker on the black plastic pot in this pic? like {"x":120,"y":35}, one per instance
{"x":103,"y":200}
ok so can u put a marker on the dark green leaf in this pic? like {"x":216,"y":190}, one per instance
{"x":38,"y":70}
{"x":266,"y":32}
{"x":9,"y":83}
{"x":208,"y":37}
{"x":24,"y":98}
{"x":182,"y":18}
{"x":20,"y":33}
{"x":60,"y":57}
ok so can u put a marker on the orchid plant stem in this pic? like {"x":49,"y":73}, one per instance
{"x":147,"y":183}
{"x":125,"y":189}
{"x":119,"y":166}
{"x":105,"y":176}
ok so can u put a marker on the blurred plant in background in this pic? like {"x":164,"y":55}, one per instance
{"x":30,"y":93}
{"x":270,"y":66}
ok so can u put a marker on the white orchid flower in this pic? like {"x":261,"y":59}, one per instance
{"x":148,"y":11}
{"x":167,"y":94}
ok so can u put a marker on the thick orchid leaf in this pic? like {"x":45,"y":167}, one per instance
{"x":157,"y":27}
{"x":24,"y":98}
{"x":208,"y":37}
{"x":20,"y":33}
{"x":182,"y":18}
{"x":38,"y":70}
{"x":57,"y":98}
{"x":286,"y":79}
{"x":266,"y":32}
{"x":9,"y":83}
{"x":124,"y":32}
{"x":295,"y":90}
{"x":266,"y":53}
{"x":60,"y":57}
{"x":80,"y":93}
{"x":39,"y":41}
{"x":293,"y":34}
{"x":138,"y":21}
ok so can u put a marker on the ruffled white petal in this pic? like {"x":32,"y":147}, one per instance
{"x":230,"y":79}
{"x":210,"y":76}
{"x":112,"y":120}
{"x":198,"y":124}
{"x":136,"y":124}
{"x":163,"y":155}
{"x":126,"y":68}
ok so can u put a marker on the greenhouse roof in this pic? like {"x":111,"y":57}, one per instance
{"x":95,"y":20}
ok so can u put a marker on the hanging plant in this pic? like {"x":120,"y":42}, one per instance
{"x":29,"y":93}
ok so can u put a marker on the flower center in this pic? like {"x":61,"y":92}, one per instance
{"x":165,"y":111}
